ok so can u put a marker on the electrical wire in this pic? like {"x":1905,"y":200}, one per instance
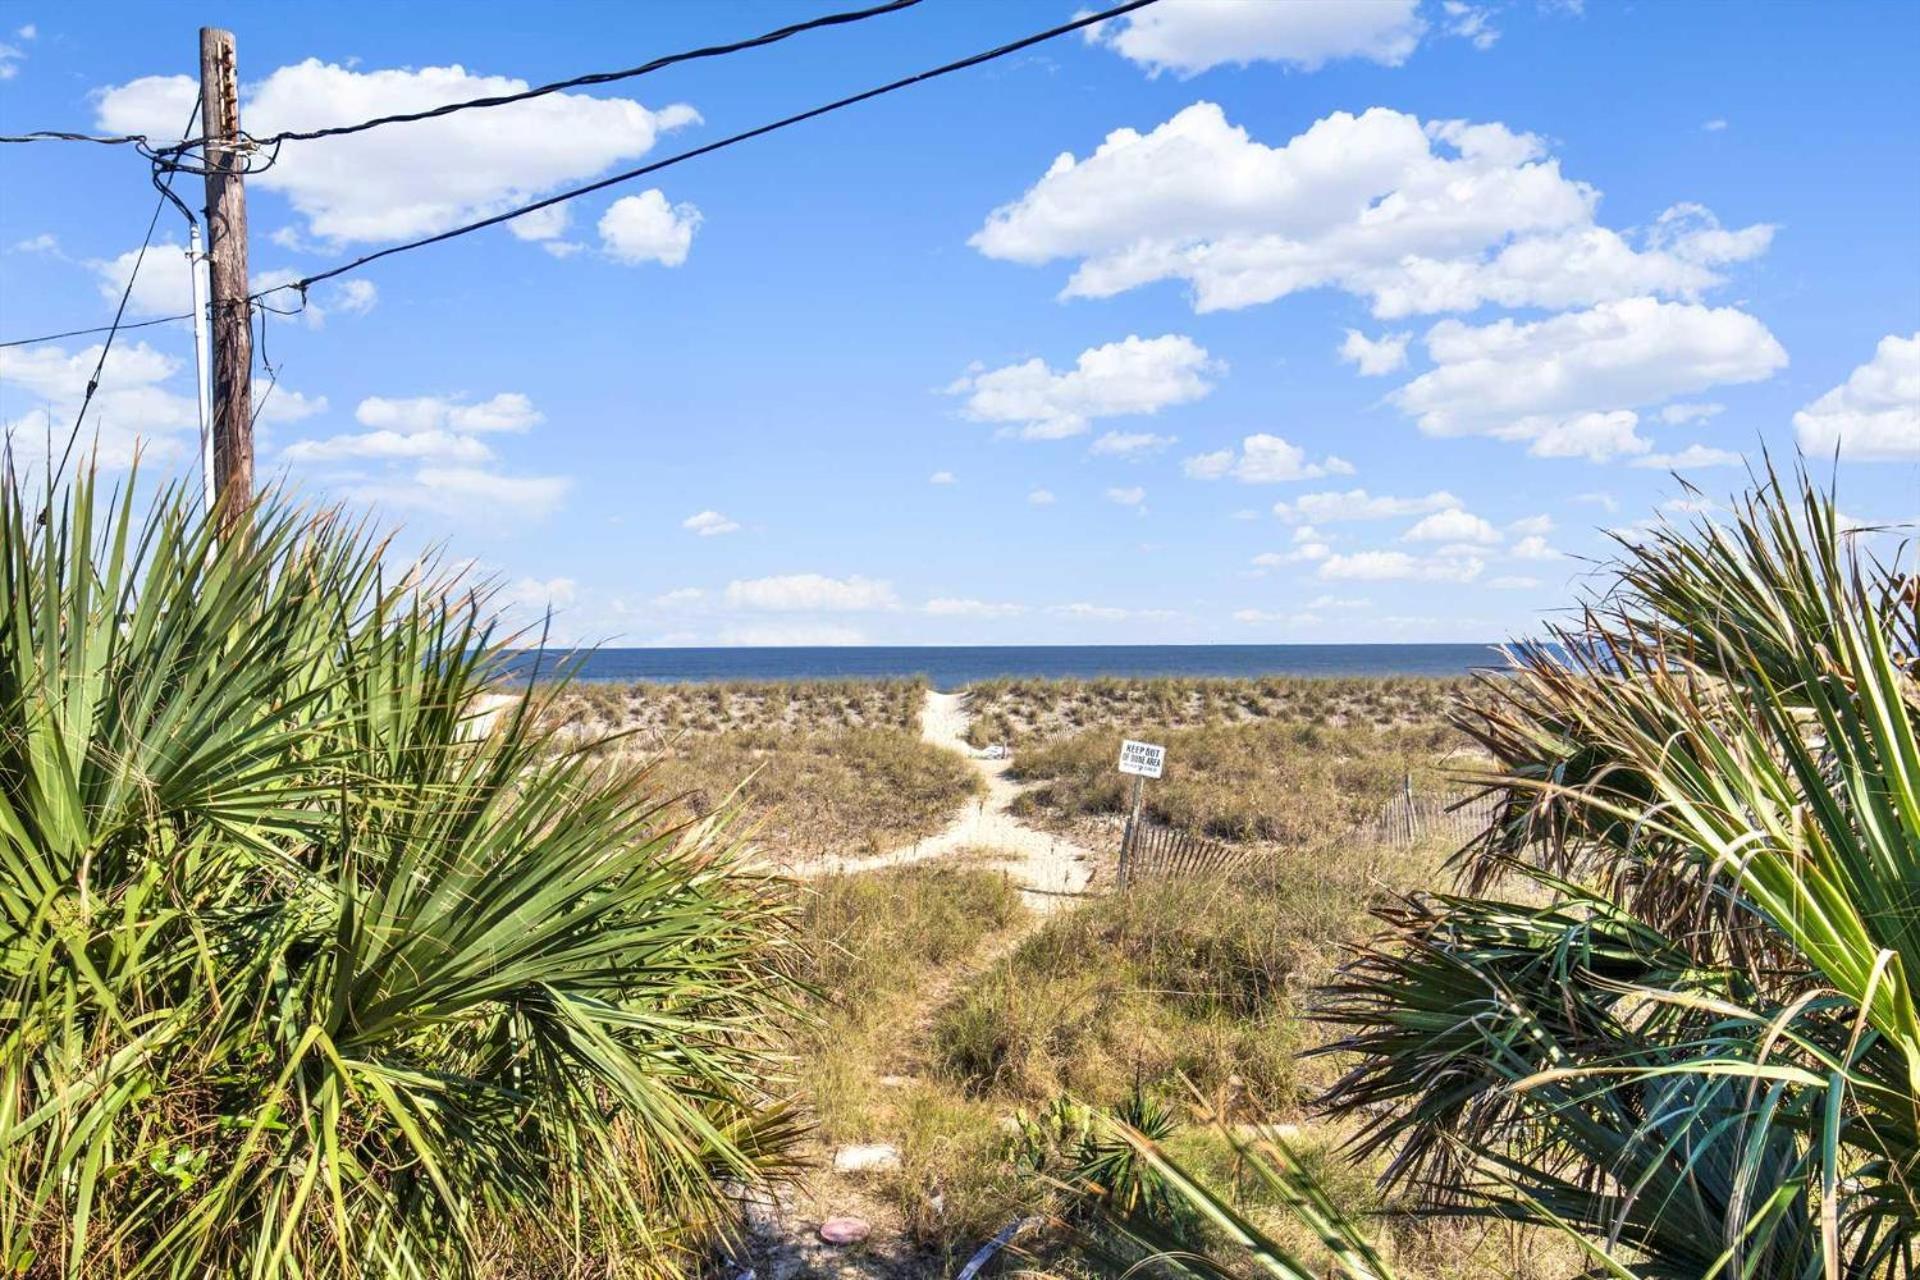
{"x":500,"y":100}
{"x":1001,"y":51}
{"x":99,"y":328}
{"x":594,"y":78}
{"x":113,"y":330}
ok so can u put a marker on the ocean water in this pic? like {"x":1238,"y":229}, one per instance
{"x":953,"y":667}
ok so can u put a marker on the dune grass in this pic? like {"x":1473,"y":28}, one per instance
{"x":1295,"y":784}
{"x":884,"y":946}
{"x":657,"y":713}
{"x":1026,"y":712}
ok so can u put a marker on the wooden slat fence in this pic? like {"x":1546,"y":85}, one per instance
{"x":1162,"y":853}
{"x":1410,"y":818}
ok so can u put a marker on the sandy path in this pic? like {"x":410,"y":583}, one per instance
{"x":1052,"y":869}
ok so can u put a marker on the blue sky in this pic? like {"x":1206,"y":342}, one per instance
{"x":1240,"y":322}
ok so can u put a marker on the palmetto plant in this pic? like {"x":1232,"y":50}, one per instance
{"x":302,"y":973}
{"x":1674,"y":1007}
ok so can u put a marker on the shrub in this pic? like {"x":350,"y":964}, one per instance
{"x":304,"y":975}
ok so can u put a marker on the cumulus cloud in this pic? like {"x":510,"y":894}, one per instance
{"x":1874,"y":416}
{"x":1413,"y":216}
{"x":1309,"y":545}
{"x":441,"y":445}
{"x":1133,"y":376}
{"x":1130,"y":496}
{"x":1452,"y":525}
{"x":1682,"y":412}
{"x":1390,"y":566}
{"x":1126,"y":444}
{"x":135,"y":408}
{"x":710,"y":524}
{"x":506,"y":411}
{"x":1187,"y":37}
{"x":1532,"y":547}
{"x":811,"y":592}
{"x":1358,"y":504}
{"x":1375,"y":356}
{"x":645,"y":228}
{"x":410,"y":179}
{"x":1691,"y":458}
{"x":1041,"y":497}
{"x":1568,"y":385}
{"x":453,"y":469}
{"x":1264,"y":459}
{"x":942,"y":477}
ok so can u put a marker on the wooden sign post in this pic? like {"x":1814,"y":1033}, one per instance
{"x":1142,"y":760}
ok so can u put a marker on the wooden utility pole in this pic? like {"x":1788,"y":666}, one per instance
{"x":227,"y":274}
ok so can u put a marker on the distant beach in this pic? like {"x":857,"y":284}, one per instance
{"x":954,"y":667}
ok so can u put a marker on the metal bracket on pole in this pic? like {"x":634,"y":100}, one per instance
{"x":202,"y":363}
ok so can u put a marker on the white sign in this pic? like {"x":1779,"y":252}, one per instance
{"x":1142,"y":758}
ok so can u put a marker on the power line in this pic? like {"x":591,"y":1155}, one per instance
{"x":60,"y":135}
{"x":305,"y":283}
{"x":1001,"y":51}
{"x":99,"y":328}
{"x":500,"y":100}
{"x":113,"y":330}
{"x":598,"y":77}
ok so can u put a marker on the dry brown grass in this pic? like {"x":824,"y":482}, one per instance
{"x":1025,"y":712}
{"x":1271,"y":782}
{"x":657,"y":713}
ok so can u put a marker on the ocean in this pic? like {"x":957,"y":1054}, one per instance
{"x":951,"y":667}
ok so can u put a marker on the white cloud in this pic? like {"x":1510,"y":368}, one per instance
{"x":1041,"y":497}
{"x":437,"y":445}
{"x":809,"y":592}
{"x":409,"y":179}
{"x":1358,"y":504}
{"x":45,"y":242}
{"x":1387,"y":566}
{"x":1715,"y":125}
{"x":1682,"y":412}
{"x":1264,"y":459}
{"x":1874,"y":416}
{"x":507,"y":411}
{"x":162,"y":287}
{"x":1604,"y":501}
{"x":1375,"y":356}
{"x":1470,"y":22}
{"x":1526,"y":525}
{"x":805,"y":636}
{"x":1690,"y":458}
{"x":1452,"y":525}
{"x":679,"y":598}
{"x":533,"y":494}
{"x":1415,"y":217}
{"x":1133,"y":376}
{"x":356,"y":297}
{"x":1131,"y":496}
{"x":1568,"y":384}
{"x":942,"y":477}
{"x":11,"y":56}
{"x":946,"y":607}
{"x":133,"y":409}
{"x":534,"y":595}
{"x":710,"y":524}
{"x":1190,"y":36}
{"x":1533,"y":547}
{"x":440,"y":434}
{"x":1309,"y":546}
{"x":645,"y":228}
{"x":1339,"y":602}
{"x":1124,"y":444}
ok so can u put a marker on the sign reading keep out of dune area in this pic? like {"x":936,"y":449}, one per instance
{"x":1142,"y":758}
